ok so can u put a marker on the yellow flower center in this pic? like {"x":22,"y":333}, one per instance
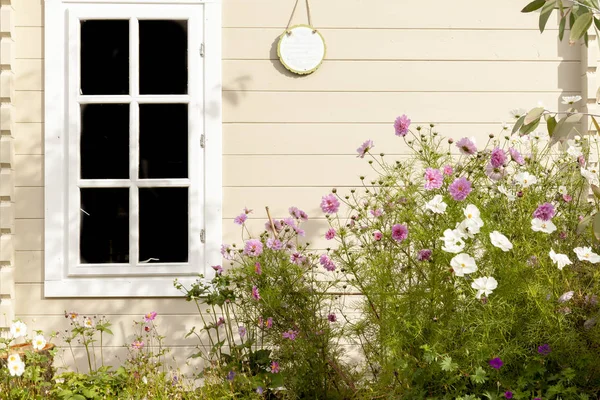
{"x":543,"y":225}
{"x":463,"y":265}
{"x":469,"y":216}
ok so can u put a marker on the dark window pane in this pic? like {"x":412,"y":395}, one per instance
{"x":104,"y":226}
{"x":163,"y":53}
{"x":164,"y":225}
{"x":163,"y":141}
{"x":105,"y":57}
{"x":104,"y":141}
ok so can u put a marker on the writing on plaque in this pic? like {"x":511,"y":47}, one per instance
{"x":301,"y":49}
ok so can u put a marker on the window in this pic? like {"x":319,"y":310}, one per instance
{"x":132,"y":147}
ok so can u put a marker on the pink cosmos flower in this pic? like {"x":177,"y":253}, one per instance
{"x":138,"y":345}
{"x":299,"y":214}
{"x":498,"y":157}
{"x":277,"y":224}
{"x":401,"y":125}
{"x":226,"y":252}
{"x":545,"y":212}
{"x":460,"y":189}
{"x":291,"y":334}
{"x":274,"y":244}
{"x":377,"y":235}
{"x":330,"y":204}
{"x":269,"y":322}
{"x":330,"y":234}
{"x":326,"y":262}
{"x":433,"y":179}
{"x":448,"y":170}
{"x":274,"y":367}
{"x":220,"y":321}
{"x":377,"y":213}
{"x":364,"y":148}
{"x":516,"y":156}
{"x":255,"y":293}
{"x":150,"y":316}
{"x":257,"y":268}
{"x":495,"y":173}
{"x":424,"y":255}
{"x":581,"y":160}
{"x":466,"y":146}
{"x":399,"y":232}
{"x":297,"y":258}
{"x":567,"y":198}
{"x":247,"y":210}
{"x":218,"y":269}
{"x":240,"y":219}
{"x":253,"y":248}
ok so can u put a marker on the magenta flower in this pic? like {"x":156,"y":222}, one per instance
{"x":581,"y":160}
{"x":299,"y":214}
{"x":150,"y":316}
{"x":516,"y":156}
{"x":498,"y":157}
{"x":326,"y":262}
{"x":508,"y":394}
{"x":330,"y":234}
{"x":567,"y":198}
{"x":460,"y":189}
{"x":274,"y":244}
{"x":377,"y":235}
{"x":269,"y":322}
{"x":332,"y":317}
{"x":257,"y":268}
{"x":138,"y":345}
{"x":255,"y":293}
{"x":433,"y":179}
{"x":448,"y":170}
{"x":291,"y":334}
{"x":466,"y":146}
{"x":330,"y":204}
{"x":220,"y":321}
{"x":297,"y":258}
{"x":218,"y":269}
{"x":544,"y":349}
{"x":274,"y":367}
{"x":401,"y":125}
{"x":424,"y":255}
{"x":545,"y":212}
{"x":399,"y":232}
{"x":364,"y":148}
{"x":496,"y":363}
{"x":253,"y":248}
{"x":240,"y":219}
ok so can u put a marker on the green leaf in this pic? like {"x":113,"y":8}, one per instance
{"x":545,"y":14}
{"x":596,"y":124}
{"x":533,"y":115}
{"x":534,"y":5}
{"x":596,"y":226}
{"x":596,"y":191}
{"x":580,"y":27}
{"x":564,"y":127}
{"x":479,"y":376}
{"x":597,"y":23}
{"x":561,"y":28}
{"x":518,"y":125}
{"x":550,"y":124}
{"x":583,"y":224}
{"x":448,"y":365}
{"x":525,"y":129}
{"x":571,"y":20}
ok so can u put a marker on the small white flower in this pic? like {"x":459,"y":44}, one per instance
{"x":453,"y":241}
{"x":38,"y":342}
{"x":463,"y":264}
{"x":517,"y":113}
{"x":586,"y":254}
{"x":472,"y":213}
{"x":18,"y":329}
{"x":566,"y":296}
{"x":525,"y":179}
{"x":570,"y":99}
{"x":145,"y":380}
{"x":505,"y":126}
{"x":436,"y":204}
{"x":484,"y":286}
{"x":13,"y":358}
{"x":574,"y":149}
{"x":591,"y":176}
{"x":562,"y":190}
{"x":88,"y":323}
{"x":539,"y":136}
{"x":539,"y":225}
{"x":500,"y":241}
{"x":510,"y":195}
{"x":16,"y":368}
{"x":559,"y":259}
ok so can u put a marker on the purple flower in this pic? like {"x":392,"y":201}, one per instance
{"x":277,"y":224}
{"x":298,"y":213}
{"x":291,"y":334}
{"x":377,"y":212}
{"x":218,"y":269}
{"x":498,"y":157}
{"x":259,"y":390}
{"x":274,"y":244}
{"x":433,"y":179}
{"x":269,"y":322}
{"x":424,"y":255}
{"x":226,"y":252}
{"x":297,"y":258}
{"x":537,"y":398}
{"x":240,"y":219}
{"x":220,"y":321}
{"x":508,"y":394}
{"x":460,"y":189}
{"x":326,"y":262}
{"x":255,"y":293}
{"x":253,"y":248}
{"x":230,"y":376}
{"x":332,"y":317}
{"x":150,"y":316}
{"x":544,"y":349}
{"x":242,"y":331}
{"x":257,"y":268}
{"x":494,"y":173}
{"x":377,"y":235}
{"x":516,"y":156}
{"x":466,"y":146}
{"x":496,"y":363}
{"x":545,"y":212}
{"x":448,"y":170}
{"x":399,"y":232}
{"x":330,"y":234}
{"x":330,"y":204}
{"x":364,"y":148}
{"x":401,"y":125}
{"x":274,"y":367}
{"x":567,"y":198}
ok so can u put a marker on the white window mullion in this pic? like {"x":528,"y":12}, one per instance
{"x":134,"y":142}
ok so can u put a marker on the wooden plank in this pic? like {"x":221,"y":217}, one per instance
{"x":29,"y":12}
{"x":417,"y":44}
{"x":29,"y":106}
{"x":29,"y":170}
{"x":29,"y":202}
{"x":29,"y":234}
{"x":29,"y":74}
{"x":29,"y":138}
{"x":29,"y":266}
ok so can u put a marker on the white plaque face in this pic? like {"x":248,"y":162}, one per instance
{"x":301,"y":49}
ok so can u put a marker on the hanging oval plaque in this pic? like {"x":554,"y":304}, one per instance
{"x":301,"y":49}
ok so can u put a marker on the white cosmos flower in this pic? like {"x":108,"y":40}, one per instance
{"x":510,"y":195}
{"x":18,"y":329}
{"x":500,"y":241}
{"x":88,"y":323}
{"x":566,"y":296}
{"x":525,"y":179}
{"x":586,"y":254}
{"x":591,"y":176}
{"x":38,"y":342}
{"x":472,"y":213}
{"x":570,"y":99}
{"x":517,"y":113}
{"x":13,"y":358}
{"x":16,"y":368}
{"x":436,"y":204}
{"x":574,"y":149}
{"x":468,"y":228}
{"x":560,"y":259}
{"x":539,"y":225}
{"x":484,"y":285}
{"x":562,"y":190}
{"x":463,"y":264}
{"x":453,"y":241}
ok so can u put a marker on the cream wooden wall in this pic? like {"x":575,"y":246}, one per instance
{"x":287,"y":139}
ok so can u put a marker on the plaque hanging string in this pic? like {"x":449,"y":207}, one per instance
{"x":292,"y":17}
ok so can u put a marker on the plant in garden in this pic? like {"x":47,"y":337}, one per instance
{"x":269,"y":319}
{"x":478,"y":272}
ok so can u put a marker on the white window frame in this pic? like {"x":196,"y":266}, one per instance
{"x":64,"y":275}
